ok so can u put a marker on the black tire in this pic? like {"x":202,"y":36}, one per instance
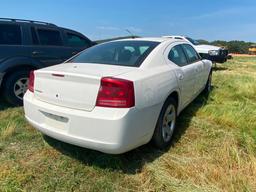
{"x":10,"y":84}
{"x":208,"y":86}
{"x":158,"y":138}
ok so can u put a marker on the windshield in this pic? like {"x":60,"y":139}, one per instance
{"x":194,"y":42}
{"x":124,"y":53}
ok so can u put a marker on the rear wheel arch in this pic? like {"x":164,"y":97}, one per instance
{"x":158,"y":137}
{"x":174,"y":95}
{"x":24,"y":67}
{"x":14,"y":84}
{"x":14,"y":63}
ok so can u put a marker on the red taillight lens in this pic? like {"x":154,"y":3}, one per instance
{"x":31,"y":81}
{"x":116,"y":92}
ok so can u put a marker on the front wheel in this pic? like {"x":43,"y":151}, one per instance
{"x":15,"y":86}
{"x":166,"y":124}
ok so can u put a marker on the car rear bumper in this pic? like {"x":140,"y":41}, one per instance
{"x":108,"y":130}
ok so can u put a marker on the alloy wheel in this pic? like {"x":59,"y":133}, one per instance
{"x":20,"y":87}
{"x":168,"y":124}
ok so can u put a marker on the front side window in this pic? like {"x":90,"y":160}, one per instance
{"x":77,"y":41}
{"x":49,"y":37}
{"x":124,"y":53}
{"x":177,"y":56}
{"x":10,"y":34}
{"x":191,"y":53}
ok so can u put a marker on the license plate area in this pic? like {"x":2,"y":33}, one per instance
{"x":55,"y":121}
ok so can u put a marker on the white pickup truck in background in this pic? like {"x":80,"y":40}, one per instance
{"x":210,"y":52}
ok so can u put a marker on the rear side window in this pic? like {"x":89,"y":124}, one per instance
{"x":77,"y":41}
{"x":49,"y":37}
{"x":191,"y":53}
{"x":177,"y":56}
{"x":122,"y":53}
{"x":35,"y":40}
{"x":10,"y":34}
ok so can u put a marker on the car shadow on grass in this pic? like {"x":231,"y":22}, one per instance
{"x":4,"y":105}
{"x":133,"y":161}
{"x":220,"y":68}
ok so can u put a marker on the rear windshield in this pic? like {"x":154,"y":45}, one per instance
{"x":124,"y":53}
{"x":194,"y":42}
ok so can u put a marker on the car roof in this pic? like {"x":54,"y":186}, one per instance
{"x":174,"y":36}
{"x":154,"y":39}
{"x":24,"y":21}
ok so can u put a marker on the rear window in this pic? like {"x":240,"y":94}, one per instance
{"x":194,"y":42}
{"x":49,"y":37}
{"x":10,"y":34}
{"x":124,"y":53}
{"x":191,"y":53}
{"x":177,"y":56}
{"x":34,"y":36}
{"x":77,"y":41}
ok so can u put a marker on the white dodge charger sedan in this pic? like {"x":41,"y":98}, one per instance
{"x":116,"y":96}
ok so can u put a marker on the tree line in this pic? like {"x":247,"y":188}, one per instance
{"x":235,"y":46}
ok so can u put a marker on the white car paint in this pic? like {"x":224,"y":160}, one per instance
{"x":64,"y":108}
{"x":199,"y":48}
{"x":206,"y":48}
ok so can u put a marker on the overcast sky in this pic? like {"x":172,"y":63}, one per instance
{"x":99,"y":19}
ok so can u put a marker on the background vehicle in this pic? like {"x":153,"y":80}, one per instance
{"x":26,"y":45}
{"x":210,"y":52}
{"x":252,"y":49}
{"x":122,"y":93}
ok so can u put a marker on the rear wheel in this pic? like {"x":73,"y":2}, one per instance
{"x":208,"y":86}
{"x":166,"y":124}
{"x":15,"y":86}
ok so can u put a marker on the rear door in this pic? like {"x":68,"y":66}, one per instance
{"x":195,"y":60}
{"x":185,"y":73}
{"x":48,"y":45}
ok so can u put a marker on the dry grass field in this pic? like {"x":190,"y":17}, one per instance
{"x":214,"y":148}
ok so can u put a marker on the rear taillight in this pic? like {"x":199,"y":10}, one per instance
{"x":114,"y":92}
{"x":31,"y":81}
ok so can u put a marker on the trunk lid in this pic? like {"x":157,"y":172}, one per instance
{"x":73,"y":85}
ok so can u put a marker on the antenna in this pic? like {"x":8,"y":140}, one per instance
{"x":128,"y":31}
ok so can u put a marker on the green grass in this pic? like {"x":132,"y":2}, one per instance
{"x":214,"y":148}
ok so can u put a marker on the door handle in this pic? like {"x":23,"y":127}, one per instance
{"x":180,"y":76}
{"x":36,"y":52}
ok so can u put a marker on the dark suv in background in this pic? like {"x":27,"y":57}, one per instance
{"x":27,"y":45}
